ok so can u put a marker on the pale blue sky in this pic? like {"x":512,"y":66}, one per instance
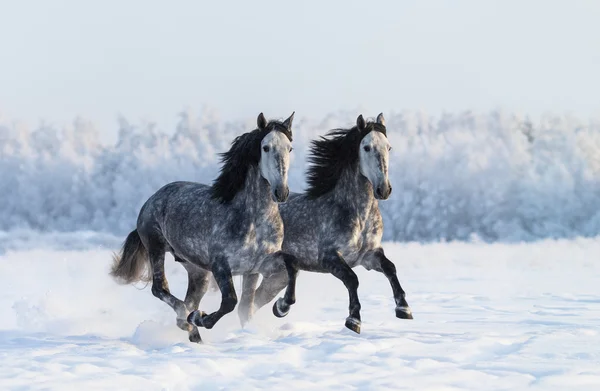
{"x":149,"y":59}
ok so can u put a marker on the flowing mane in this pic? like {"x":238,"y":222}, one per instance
{"x":333,"y":153}
{"x":244,"y":153}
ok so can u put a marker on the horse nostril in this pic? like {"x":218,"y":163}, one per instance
{"x":379,"y":191}
{"x":277,"y":194}
{"x":390,"y":189}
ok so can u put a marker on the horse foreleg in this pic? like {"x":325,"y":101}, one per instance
{"x":379,"y":262}
{"x":282,"y":306}
{"x":335,"y":264}
{"x":222,"y":274}
{"x":246,"y":306}
{"x":198,"y":281}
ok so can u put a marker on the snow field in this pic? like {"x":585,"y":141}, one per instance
{"x":487,"y":317}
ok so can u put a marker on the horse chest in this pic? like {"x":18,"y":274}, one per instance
{"x":262,"y":235}
{"x":366,"y":236}
{"x":350,"y":243}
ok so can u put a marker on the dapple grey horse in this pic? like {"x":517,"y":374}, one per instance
{"x":336,"y":224}
{"x":232,"y":227}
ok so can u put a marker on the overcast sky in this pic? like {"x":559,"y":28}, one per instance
{"x":149,"y":59}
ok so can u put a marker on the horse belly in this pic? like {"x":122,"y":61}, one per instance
{"x":306,"y":253}
{"x":191,"y":250}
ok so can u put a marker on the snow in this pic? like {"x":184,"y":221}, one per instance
{"x":522,"y":316}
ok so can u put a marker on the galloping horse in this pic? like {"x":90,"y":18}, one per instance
{"x":336,"y":224}
{"x":232,"y":227}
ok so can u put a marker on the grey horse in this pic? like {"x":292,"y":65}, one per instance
{"x":336,"y":224}
{"x":232,"y":227}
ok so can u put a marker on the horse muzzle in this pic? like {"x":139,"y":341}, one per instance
{"x":383,"y":191}
{"x":281,"y":193}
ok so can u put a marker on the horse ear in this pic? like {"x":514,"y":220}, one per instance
{"x":380,"y":119}
{"x":360,"y":123}
{"x":288,"y":122}
{"x":261,"y":121}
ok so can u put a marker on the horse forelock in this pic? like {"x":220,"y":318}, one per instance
{"x":280,"y":127}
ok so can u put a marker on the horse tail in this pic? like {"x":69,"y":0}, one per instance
{"x":132,"y":264}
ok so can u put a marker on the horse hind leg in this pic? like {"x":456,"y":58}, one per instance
{"x":160,"y":286}
{"x":222,"y":273}
{"x":198,"y":281}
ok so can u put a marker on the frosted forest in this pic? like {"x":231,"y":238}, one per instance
{"x":493,"y":176}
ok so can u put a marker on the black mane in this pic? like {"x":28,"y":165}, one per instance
{"x":331,"y":154}
{"x":244,"y":153}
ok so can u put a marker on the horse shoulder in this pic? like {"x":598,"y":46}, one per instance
{"x":340,"y":229}
{"x":303,"y":222}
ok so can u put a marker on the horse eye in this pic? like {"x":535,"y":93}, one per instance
{"x":266,"y":148}
{"x":367,"y":148}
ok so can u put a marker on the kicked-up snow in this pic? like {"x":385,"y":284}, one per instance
{"x":487,"y":317}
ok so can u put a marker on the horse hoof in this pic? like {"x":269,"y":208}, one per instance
{"x":353,"y":324}
{"x":279,"y":308}
{"x":403,"y":313}
{"x":196,"y":317}
{"x":194,"y":336}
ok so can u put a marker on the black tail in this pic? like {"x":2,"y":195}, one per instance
{"x":132,"y":264}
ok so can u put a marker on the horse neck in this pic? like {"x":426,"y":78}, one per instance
{"x":255,"y":195}
{"x":354,"y":189}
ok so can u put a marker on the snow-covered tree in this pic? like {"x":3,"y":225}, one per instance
{"x":497,"y":175}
